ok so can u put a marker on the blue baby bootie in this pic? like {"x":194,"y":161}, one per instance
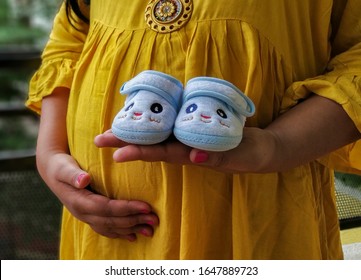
{"x":150,"y":109}
{"x":213,"y":115}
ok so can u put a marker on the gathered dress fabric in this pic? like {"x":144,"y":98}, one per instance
{"x":278,"y":53}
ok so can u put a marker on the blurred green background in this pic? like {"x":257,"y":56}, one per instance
{"x":26,"y":22}
{"x":24,"y":29}
{"x":29,"y":212}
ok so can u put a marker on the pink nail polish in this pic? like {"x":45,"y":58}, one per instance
{"x":201,"y":157}
{"x":144,"y":232}
{"x":81,"y":176}
{"x":131,"y":238}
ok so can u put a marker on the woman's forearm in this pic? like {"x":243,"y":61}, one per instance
{"x":52,"y":137}
{"x":310,"y":130}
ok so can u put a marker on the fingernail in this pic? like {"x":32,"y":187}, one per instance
{"x":145,"y":233}
{"x":201,"y":157}
{"x":131,"y":238}
{"x":81,"y":176}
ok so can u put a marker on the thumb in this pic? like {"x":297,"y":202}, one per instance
{"x":82,"y":180}
{"x":69,"y":172}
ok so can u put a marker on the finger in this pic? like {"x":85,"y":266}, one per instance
{"x":215,"y":160}
{"x":243,"y":158}
{"x":221,"y":161}
{"x":125,"y":227}
{"x":171,"y":152}
{"x":107,"y":139}
{"x":90,"y":204}
{"x":82,"y":180}
{"x":70,"y":173}
{"x":130,"y":237}
{"x":125,"y":222}
{"x":110,"y":234}
{"x":144,"y":230}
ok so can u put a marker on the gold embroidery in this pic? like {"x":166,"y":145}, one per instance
{"x":165,"y":16}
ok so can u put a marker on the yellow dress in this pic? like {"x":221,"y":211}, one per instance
{"x":277,"y":52}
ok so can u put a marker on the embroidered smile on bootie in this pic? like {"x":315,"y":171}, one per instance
{"x":150,"y":109}
{"x":213,"y":114}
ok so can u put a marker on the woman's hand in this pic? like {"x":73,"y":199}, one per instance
{"x":62,"y":174}
{"x":108,"y":217}
{"x":310,"y":130}
{"x":250,"y":156}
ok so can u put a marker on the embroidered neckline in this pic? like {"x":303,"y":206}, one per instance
{"x":166,"y":16}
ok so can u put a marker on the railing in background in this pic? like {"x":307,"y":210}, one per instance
{"x":348,"y":199}
{"x":29,"y":213}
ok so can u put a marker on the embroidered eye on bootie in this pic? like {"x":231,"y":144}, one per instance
{"x":213,"y":114}
{"x":150,"y":109}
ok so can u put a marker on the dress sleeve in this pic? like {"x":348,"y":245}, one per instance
{"x":59,"y":58}
{"x":341,"y":81}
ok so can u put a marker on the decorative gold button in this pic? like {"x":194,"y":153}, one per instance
{"x":165,"y":16}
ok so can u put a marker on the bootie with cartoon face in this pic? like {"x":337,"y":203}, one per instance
{"x":213,"y":115}
{"x":150,"y":109}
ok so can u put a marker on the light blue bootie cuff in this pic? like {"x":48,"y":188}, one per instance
{"x":222,"y":90}
{"x":160,"y":83}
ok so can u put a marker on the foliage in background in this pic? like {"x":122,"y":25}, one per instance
{"x":14,"y":84}
{"x":24,"y":26}
{"x":26,"y":22}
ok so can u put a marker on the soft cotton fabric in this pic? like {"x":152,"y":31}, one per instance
{"x":150,"y":109}
{"x":277,"y":52}
{"x":213,"y":114}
